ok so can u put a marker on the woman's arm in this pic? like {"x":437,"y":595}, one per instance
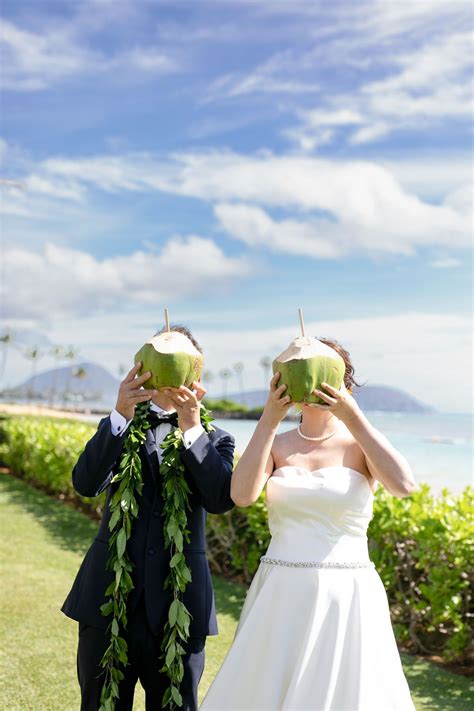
{"x":383,"y":461}
{"x":256,"y":463}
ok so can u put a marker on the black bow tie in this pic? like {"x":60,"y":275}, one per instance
{"x":156,"y":418}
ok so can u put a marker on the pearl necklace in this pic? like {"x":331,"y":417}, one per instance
{"x":315,"y":439}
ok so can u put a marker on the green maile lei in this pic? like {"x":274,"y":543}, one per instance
{"x":124,"y":509}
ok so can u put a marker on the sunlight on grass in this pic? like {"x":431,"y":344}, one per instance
{"x":44,"y":541}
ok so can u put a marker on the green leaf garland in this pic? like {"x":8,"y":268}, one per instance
{"x":124,"y":509}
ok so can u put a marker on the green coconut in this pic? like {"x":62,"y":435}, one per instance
{"x":172,"y":360}
{"x":304,"y":365}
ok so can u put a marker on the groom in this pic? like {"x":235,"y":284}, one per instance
{"x":208,"y":460}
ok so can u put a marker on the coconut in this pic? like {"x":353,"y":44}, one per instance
{"x":304,"y":365}
{"x":172,"y":360}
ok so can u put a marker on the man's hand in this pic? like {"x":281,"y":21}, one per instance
{"x":187,"y":406}
{"x":131,"y":393}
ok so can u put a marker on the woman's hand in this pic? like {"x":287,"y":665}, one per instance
{"x":186,"y":403}
{"x":277,"y":404}
{"x":339,"y":402}
{"x":131,"y":392}
{"x":383,"y":461}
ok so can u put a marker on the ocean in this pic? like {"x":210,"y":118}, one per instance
{"x":438,"y":446}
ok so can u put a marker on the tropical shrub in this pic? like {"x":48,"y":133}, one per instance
{"x":421,"y":545}
{"x":43,"y":451}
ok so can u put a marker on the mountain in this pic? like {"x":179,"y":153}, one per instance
{"x":82,"y":381}
{"x":369,"y":398}
{"x":387,"y":399}
{"x":92,"y":383}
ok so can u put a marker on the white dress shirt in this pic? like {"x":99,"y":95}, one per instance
{"x":119,"y":426}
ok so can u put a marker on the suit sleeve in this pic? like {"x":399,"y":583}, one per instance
{"x":93,"y":470}
{"x":211,"y":464}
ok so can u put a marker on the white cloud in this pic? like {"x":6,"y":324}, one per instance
{"x":3,"y":150}
{"x":340,"y":117}
{"x":370,"y":133}
{"x":364,"y":206}
{"x":386,"y":19}
{"x":59,"y":282}
{"x":447,"y":57}
{"x":308,"y":141}
{"x":33,"y":61}
{"x":426,"y":354}
{"x":41,"y":197}
{"x":256,"y":228}
{"x":276,"y":75}
{"x":66,"y":191}
{"x":462,"y":200}
{"x":445,"y":263}
{"x":417,"y":352}
{"x":429,"y":82}
{"x":430,"y":176}
{"x":109,"y":173}
{"x":147,"y":59}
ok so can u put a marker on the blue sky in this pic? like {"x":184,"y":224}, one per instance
{"x":234,"y":161}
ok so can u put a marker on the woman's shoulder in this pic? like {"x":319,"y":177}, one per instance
{"x":286,"y":436}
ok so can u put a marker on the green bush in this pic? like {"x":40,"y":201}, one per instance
{"x":43,"y":451}
{"x":224,"y":405}
{"x":233,"y":409}
{"x":420,"y":545}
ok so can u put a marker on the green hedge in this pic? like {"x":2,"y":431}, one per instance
{"x":224,"y":405}
{"x":43,"y":451}
{"x":420,"y":545}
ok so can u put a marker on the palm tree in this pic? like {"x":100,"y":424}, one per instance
{"x":33,"y":354}
{"x":70,"y":354}
{"x":266,"y":363}
{"x":121,"y":370}
{"x":238,"y":370}
{"x":5,"y":340}
{"x":58,"y":354}
{"x":224,"y":375}
{"x":80,"y":373}
{"x":208,"y":378}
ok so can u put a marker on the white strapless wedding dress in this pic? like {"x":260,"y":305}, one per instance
{"x":315,"y":630}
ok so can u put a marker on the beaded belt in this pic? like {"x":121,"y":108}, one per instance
{"x":324,"y":564}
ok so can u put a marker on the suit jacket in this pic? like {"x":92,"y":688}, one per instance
{"x":208,"y":469}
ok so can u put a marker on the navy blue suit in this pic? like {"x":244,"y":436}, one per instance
{"x":208,"y":469}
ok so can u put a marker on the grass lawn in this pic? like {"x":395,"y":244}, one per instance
{"x":43,"y":544}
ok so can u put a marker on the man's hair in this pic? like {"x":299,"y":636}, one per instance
{"x":185,"y":331}
{"x":349,"y":380}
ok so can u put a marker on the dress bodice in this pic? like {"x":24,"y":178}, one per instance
{"x":314,"y":637}
{"x":320,"y":515}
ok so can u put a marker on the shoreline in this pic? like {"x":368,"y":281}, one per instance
{"x":47,"y":411}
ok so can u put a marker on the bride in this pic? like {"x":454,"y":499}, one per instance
{"x":315,"y":630}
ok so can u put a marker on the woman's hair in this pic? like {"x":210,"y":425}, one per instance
{"x":349,"y":380}
{"x":185,"y":331}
